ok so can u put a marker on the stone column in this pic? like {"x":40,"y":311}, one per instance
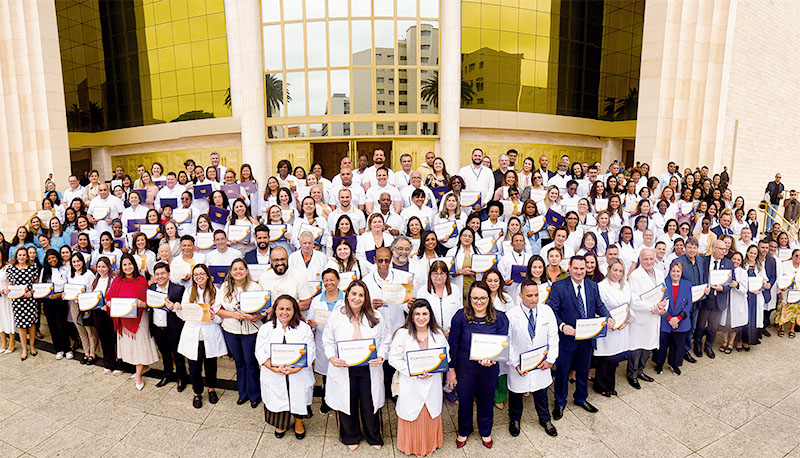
{"x":450,"y":84}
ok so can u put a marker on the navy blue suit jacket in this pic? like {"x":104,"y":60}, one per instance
{"x":174,"y":324}
{"x":678,"y":306}
{"x":720,"y":300}
{"x":770,"y":264}
{"x":564,"y":303}
{"x":251,"y":257}
{"x":717,"y":230}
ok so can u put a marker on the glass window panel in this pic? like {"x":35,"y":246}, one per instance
{"x":490,"y":17}
{"x":315,"y":9}
{"x":273,"y":49}
{"x":169,"y":86}
{"x":429,"y":128}
{"x":186,"y":103}
{"x":337,"y":8}
{"x":220,"y":79}
{"x":166,"y":59}
{"x":508,"y":42}
{"x":338,"y":43}
{"x":200,"y":55}
{"x":296,"y":131}
{"x":270,"y":10}
{"x":384,"y":8}
{"x":294,"y":35}
{"x":216,"y":25}
{"x":170,"y":108}
{"x":509,"y":19}
{"x":362,"y":90}
{"x":296,"y":89}
{"x":215,"y":6}
{"x":363,"y":128}
{"x":163,"y":35}
{"x":412,"y":88}
{"x":315,"y":32}
{"x":407,"y":128}
{"x":273,"y":86}
{"x":183,"y":56}
{"x":185,"y":81}
{"x":384,"y":39}
{"x":430,"y":8}
{"x":198,"y":29}
{"x":202,"y":79}
{"x":317,"y":93}
{"x":316,"y":130}
{"x":360,"y":8}
{"x":204,"y":101}
{"x":218,"y":50}
{"x":340,"y":92}
{"x":470,"y":40}
{"x":362,"y":42}
{"x":408,"y":8}
{"x":219,"y":104}
{"x":292,"y":10}
{"x":180,"y":31}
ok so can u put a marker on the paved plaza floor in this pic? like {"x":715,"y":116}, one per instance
{"x":738,"y":405}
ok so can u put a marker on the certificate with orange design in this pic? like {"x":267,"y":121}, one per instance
{"x":493,"y":347}
{"x":589,"y":328}
{"x":357,"y":352}
{"x":289,"y":354}
{"x":531,"y":360}
{"x":429,"y":361}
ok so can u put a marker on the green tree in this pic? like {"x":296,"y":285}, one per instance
{"x":430,"y":90}
{"x":274,"y":90}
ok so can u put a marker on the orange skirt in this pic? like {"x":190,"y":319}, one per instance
{"x":420,"y":437}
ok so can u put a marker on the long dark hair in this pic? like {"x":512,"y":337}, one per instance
{"x":529,"y":274}
{"x":500,"y":292}
{"x":83,"y":261}
{"x":439,"y":250}
{"x":458,"y":244}
{"x":336,"y":232}
{"x":130,"y":258}
{"x":469,"y":312}
{"x":439,"y":266}
{"x":47,"y":269}
{"x":366,"y":309}
{"x":411,"y":326}
{"x":107,"y":262}
{"x":273,"y":316}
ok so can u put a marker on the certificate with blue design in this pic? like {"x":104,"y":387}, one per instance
{"x":357,"y":352}
{"x":429,"y":361}
{"x":91,"y":301}
{"x":255,"y":302}
{"x":590,"y":328}
{"x":493,"y":347}
{"x":288,"y":354}
{"x":123,"y":307}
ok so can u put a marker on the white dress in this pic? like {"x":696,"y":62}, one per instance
{"x":6,"y":314}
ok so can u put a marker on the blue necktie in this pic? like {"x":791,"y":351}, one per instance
{"x":581,"y":307}
{"x":605,"y":237}
{"x":531,"y":324}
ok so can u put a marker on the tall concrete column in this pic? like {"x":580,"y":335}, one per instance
{"x":450,"y":83}
{"x":33,"y":122}
{"x":245,"y":63}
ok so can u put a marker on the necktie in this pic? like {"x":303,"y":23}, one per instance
{"x":716,"y":265}
{"x":581,"y":307}
{"x":605,"y":237}
{"x":531,"y":324}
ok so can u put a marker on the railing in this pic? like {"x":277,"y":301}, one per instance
{"x":790,"y":229}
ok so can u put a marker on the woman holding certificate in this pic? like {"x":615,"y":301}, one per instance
{"x":470,"y":369}
{"x":240,"y":217}
{"x":355,"y":387}
{"x":419,"y":402}
{"x":756,"y":272}
{"x":674,"y":323}
{"x":103,"y":322}
{"x":6,"y":313}
{"x":285,"y":351}
{"x":55,"y":308}
{"x":440,"y":294}
{"x":613,"y":348}
{"x":22,"y":273}
{"x":501,"y":302}
{"x":451,"y":213}
{"x":373,"y":238}
{"x":462,"y":254}
{"x":322,"y":306}
{"x":240,"y":328}
{"x":134,"y":344}
{"x":81,"y":275}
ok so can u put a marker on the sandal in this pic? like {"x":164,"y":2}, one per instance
{"x":722,"y":348}
{"x":729,"y":349}
{"x":780,"y":333}
{"x":791,"y":335}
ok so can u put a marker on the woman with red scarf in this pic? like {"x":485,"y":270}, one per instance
{"x":134,"y":343}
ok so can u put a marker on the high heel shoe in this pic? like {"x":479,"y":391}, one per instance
{"x":34,"y":353}
{"x":23,"y":358}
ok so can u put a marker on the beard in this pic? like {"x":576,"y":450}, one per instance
{"x":478,"y":162}
{"x":280,"y":269}
{"x":263,"y":245}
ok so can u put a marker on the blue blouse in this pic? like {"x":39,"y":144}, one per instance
{"x":461,"y":331}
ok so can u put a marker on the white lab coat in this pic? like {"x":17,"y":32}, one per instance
{"x":445,"y":307}
{"x":646,"y":330}
{"x":414,"y":392}
{"x":315,"y":266}
{"x":457,"y":281}
{"x":738,"y":301}
{"x":300,"y":393}
{"x":512,"y":258}
{"x":393,"y":315}
{"x":194,"y":331}
{"x":615,"y":341}
{"x":337,"y":388}
{"x":519,"y":342}
{"x":320,"y":360}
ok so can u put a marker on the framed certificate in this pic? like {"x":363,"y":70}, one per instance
{"x":231,"y":190}
{"x":793,"y":296}
{"x":345,"y":278}
{"x":429,"y":361}
{"x":719,"y":277}
{"x":600,"y":205}
{"x":150,"y":230}
{"x":754,"y":284}
{"x":133,"y":225}
{"x":239,"y":234}
{"x":493,"y":347}
{"x":255,"y":301}
{"x":204,"y":240}
{"x":785,"y":281}
{"x":119,"y":243}
{"x":698,"y":292}
{"x":277,"y":232}
{"x":508,"y":207}
{"x":287,"y":215}
{"x":196,"y":312}
{"x":218,"y":215}
{"x":449,"y":261}
{"x":536,"y":223}
{"x":495,"y":233}
{"x":156,"y":300}
{"x":315,"y":231}
{"x":538,"y":195}
{"x":397,"y":293}
{"x":71,"y":291}
{"x":169,"y":201}
{"x":686,"y":207}
{"x":470,"y":198}
{"x":590,"y":328}
{"x":518,"y":273}
{"x":289,"y":354}
{"x":654,"y":296}
{"x":202,"y":191}
{"x":483,"y":262}
{"x":321,"y":317}
{"x":100,"y":212}
{"x":784,"y":254}
{"x":257,"y":270}
{"x":445,"y":230}
{"x":91,"y":301}
{"x":249,"y":187}
{"x":43,"y":290}
{"x":532,"y":359}
{"x":357,"y":352}
{"x":485,"y":245}
{"x":123,"y":307}
{"x":182,"y":215}
{"x":218,"y":273}
{"x":620,"y":316}
{"x":17,"y":291}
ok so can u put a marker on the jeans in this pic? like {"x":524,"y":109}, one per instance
{"x":243,"y":350}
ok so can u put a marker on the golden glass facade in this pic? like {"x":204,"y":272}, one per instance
{"x":141,"y":62}
{"x":341,"y":68}
{"x":566,"y":57}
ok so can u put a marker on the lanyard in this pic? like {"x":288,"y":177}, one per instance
{"x":378,"y":279}
{"x":477,"y":175}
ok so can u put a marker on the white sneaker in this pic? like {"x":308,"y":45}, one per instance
{"x":69,"y":355}
{"x":60,"y":355}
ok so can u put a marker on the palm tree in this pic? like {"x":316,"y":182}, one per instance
{"x":227,"y":101}
{"x":274,"y":90}
{"x":77,"y":119}
{"x":467,"y":93}
{"x":430,"y":90}
{"x":628,"y":106}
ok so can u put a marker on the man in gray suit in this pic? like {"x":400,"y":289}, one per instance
{"x":715,"y":302}
{"x":695,"y":269}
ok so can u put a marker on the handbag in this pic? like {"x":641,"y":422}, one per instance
{"x":85,"y":318}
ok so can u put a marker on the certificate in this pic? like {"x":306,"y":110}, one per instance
{"x":698,"y":292}
{"x":218,"y":215}
{"x":255,"y":301}
{"x":544,"y":293}
{"x":43,"y":290}
{"x":483,"y":262}
{"x":429,"y":361}
{"x":249,"y":187}
{"x":537,"y":195}
{"x":793,"y":296}
{"x":133,"y":225}
{"x":196,"y":312}
{"x":345,"y":278}
{"x":71,"y":291}
{"x":202,"y":191}
{"x":287,"y":215}
{"x":654,"y":296}
{"x":445,"y":230}
{"x":536,"y":224}
{"x":785,"y":281}
{"x":239,"y":234}
{"x":356,"y":352}
{"x":150,"y":230}
{"x":204,"y":240}
{"x":719,"y":277}
{"x":289,"y":354}
{"x":321,"y":317}
{"x":485,"y":245}
{"x":17,"y":291}
{"x":100,"y":212}
{"x":686,"y":207}
{"x":119,"y":243}
{"x":218,"y":273}
{"x":620,"y":316}
{"x":508,"y":207}
{"x":257,"y":270}
{"x":123,"y":307}
{"x":231,"y":190}
{"x":518,"y":273}
{"x":45,"y":216}
{"x":316,"y":288}
{"x":182,"y":215}
{"x":470,"y":198}
{"x":449,"y":261}
{"x":784,"y":254}
{"x":315,"y":231}
{"x":114,"y":184}
{"x":494,"y":233}
{"x":754,"y":284}
{"x":91,"y":301}
{"x":600,"y":204}
{"x":493,"y":347}
{"x":156,"y":300}
{"x":277,"y":232}
{"x":532,"y":359}
{"x":168,"y":201}
{"x":589,"y":328}
{"x":396,"y":293}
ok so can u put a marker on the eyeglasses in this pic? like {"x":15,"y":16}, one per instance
{"x":438,"y":274}
{"x":480,"y":300}
{"x":383,"y":261}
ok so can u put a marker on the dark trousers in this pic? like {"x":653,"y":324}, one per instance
{"x":539,"y":401}
{"x":243,"y":350}
{"x":767,"y":313}
{"x":388,"y":373}
{"x":605,"y":374}
{"x":690,"y":334}
{"x":55,"y":310}
{"x":672,"y":341}
{"x":196,"y":369}
{"x":637,"y":360}
{"x":476,"y":387}
{"x":579,"y":359}
{"x":707,"y":325}
{"x":167,"y":344}
{"x":108,"y":339}
{"x":361,"y":411}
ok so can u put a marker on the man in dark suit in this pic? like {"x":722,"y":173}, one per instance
{"x":261,"y":254}
{"x":695,"y":269}
{"x":724,"y":227}
{"x":543,"y":161}
{"x":571,"y":299}
{"x":166,"y":327}
{"x":765,"y":248}
{"x":715,"y":302}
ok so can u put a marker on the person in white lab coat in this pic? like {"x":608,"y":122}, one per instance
{"x":322,"y":306}
{"x":613,"y":348}
{"x":287,"y":390}
{"x":530,"y":326}
{"x":357,"y":392}
{"x":443,"y":297}
{"x":646,"y":330}
{"x":419,"y":402}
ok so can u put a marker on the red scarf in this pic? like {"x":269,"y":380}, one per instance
{"x":128,"y":288}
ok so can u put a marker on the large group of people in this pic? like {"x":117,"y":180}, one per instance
{"x":413,"y":285}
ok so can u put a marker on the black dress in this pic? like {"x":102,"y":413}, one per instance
{"x":25,"y":308}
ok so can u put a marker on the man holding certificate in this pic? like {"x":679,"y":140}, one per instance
{"x":649,"y":302}
{"x":719,"y":275}
{"x":165,"y":326}
{"x":533,"y":349}
{"x":573,"y":299}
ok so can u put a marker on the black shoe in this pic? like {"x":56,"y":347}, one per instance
{"x":605,"y":393}
{"x":765,"y":333}
{"x":558,"y":412}
{"x":697,"y":351}
{"x":240,"y":401}
{"x":689,"y":358}
{"x":646,"y":377}
{"x":181,"y":384}
{"x":213,"y":397}
{"x":587,"y":407}
{"x":198,"y":401}
{"x":300,"y":436}
{"x":659,"y":370}
{"x":634,"y":383}
{"x":255,"y":404}
{"x":164,"y":381}
{"x":710,"y":353}
{"x":324,"y":408}
{"x":513,"y":428}
{"x":85,"y":360}
{"x":613,"y":392}
{"x":279,"y":435}
{"x":676,"y":370}
{"x":549,"y":429}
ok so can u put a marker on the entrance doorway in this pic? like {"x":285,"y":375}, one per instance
{"x":330,"y":156}
{"x":367,"y":147}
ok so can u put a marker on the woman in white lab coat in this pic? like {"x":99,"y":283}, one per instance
{"x":734,"y":317}
{"x":356,"y":393}
{"x":613,"y":348}
{"x":419,"y":402}
{"x":462,"y":254}
{"x":287,"y":390}
{"x":201,"y":341}
{"x":440,"y":293}
{"x":322,"y":306}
